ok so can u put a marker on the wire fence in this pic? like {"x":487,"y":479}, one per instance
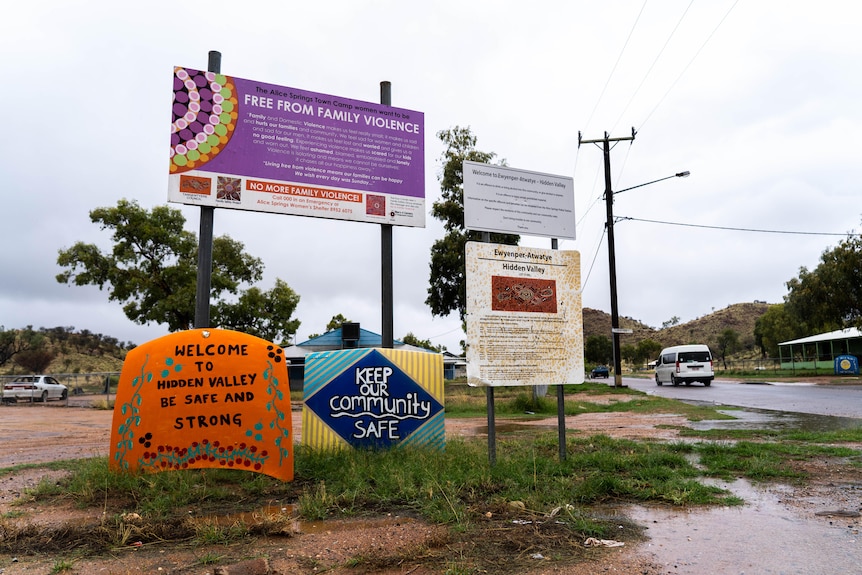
{"x":766,"y":366}
{"x":775,"y":366}
{"x":95,"y":383}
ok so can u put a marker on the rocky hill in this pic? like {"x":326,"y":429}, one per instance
{"x":739,"y":317}
{"x":84,"y":352}
{"x":61,"y":350}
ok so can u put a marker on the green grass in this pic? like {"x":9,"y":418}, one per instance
{"x":760,"y":461}
{"x":446,"y":487}
{"x":158,"y":495}
{"x":455,"y":487}
{"x":465,"y":401}
{"x":210,"y":559}
{"x":50,"y":465}
{"x":62,"y":566}
{"x":818,"y":437}
{"x":211,"y":533}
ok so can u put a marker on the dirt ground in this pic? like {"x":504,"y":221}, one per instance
{"x":397,"y":543}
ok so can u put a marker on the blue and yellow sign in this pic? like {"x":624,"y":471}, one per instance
{"x":846,"y":365}
{"x":373,"y":398}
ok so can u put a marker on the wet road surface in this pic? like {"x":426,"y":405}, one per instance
{"x":832,"y":400}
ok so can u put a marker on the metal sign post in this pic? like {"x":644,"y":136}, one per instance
{"x":205,"y":240}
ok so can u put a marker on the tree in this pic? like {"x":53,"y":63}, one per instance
{"x":14,"y":342}
{"x":773,"y":327}
{"x":35,"y":360}
{"x":598,"y":349}
{"x":336,"y":322}
{"x":727,"y":343}
{"x":830,"y":296}
{"x":671,"y":322}
{"x":265,"y":314}
{"x":411,"y":339}
{"x":629,"y":353}
{"x":152,"y":271}
{"x":447,"y":291}
{"x":648,"y":349}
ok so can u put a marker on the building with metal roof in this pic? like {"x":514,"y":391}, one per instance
{"x":819,"y":351}
{"x":350,"y":336}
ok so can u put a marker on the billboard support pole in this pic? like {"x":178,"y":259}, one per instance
{"x":561,"y":402}
{"x":386,"y":292}
{"x":205,"y":240}
{"x":489,"y":400}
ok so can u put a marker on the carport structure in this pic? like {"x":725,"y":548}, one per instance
{"x":820,"y":351}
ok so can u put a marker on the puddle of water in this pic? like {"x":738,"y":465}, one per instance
{"x":508,"y":427}
{"x":776,"y":420}
{"x":765,"y":536}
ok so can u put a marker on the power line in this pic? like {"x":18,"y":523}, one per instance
{"x":733,"y":229}
{"x":693,"y":58}
{"x":445,"y":333}
{"x":655,"y":61}
{"x":594,"y":202}
{"x":619,"y":57}
{"x":592,"y":263}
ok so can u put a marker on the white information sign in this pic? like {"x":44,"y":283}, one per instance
{"x":510,"y":201}
{"x":524,"y":316}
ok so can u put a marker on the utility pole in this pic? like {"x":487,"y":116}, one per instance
{"x":612,"y":263}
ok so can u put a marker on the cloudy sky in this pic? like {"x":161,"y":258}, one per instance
{"x":758,"y":99}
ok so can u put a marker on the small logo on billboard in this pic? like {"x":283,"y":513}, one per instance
{"x":195,"y":185}
{"x":228,"y":189}
{"x":375,"y":205}
{"x":523,"y":294}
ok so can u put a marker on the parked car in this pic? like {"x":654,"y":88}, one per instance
{"x":33,"y":388}
{"x":684,"y":364}
{"x":600,"y":371}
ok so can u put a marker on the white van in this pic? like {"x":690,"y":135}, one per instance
{"x":684,"y":364}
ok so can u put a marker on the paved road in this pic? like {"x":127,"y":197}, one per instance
{"x":840,"y":401}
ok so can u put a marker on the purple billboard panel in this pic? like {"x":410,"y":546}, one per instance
{"x":249,"y":145}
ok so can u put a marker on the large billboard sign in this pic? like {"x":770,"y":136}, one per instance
{"x":509,"y":201}
{"x":524,"y":316}
{"x":249,"y":145}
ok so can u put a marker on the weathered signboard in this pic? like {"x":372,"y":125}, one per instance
{"x":204,"y":398}
{"x":524,"y":316}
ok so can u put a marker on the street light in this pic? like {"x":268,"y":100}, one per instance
{"x":612,"y":264}
{"x":679,"y":175}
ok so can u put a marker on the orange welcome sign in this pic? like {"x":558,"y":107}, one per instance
{"x":204,"y":398}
